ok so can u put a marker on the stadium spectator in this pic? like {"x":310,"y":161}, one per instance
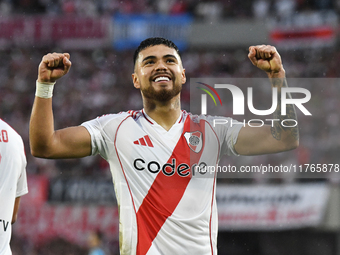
{"x":95,"y":243}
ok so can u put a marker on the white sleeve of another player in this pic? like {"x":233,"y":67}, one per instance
{"x":21,"y":164}
{"x":22,"y":184}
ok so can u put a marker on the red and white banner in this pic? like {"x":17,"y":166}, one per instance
{"x":39,"y":221}
{"x":38,"y":186}
{"x":246,"y":207}
{"x":271,"y":206}
{"x":298,"y":37}
{"x":42,"y":223}
{"x":79,"y":32}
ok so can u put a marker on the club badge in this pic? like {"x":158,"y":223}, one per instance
{"x":194,"y":140}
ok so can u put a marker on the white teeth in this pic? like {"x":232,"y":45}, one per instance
{"x":162,"y":79}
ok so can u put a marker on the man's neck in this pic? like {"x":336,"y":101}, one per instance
{"x":164,"y":113}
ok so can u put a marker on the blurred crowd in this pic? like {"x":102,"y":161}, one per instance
{"x":100,"y":82}
{"x":96,"y":245}
{"x":205,"y":9}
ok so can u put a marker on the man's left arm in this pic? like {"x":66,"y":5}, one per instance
{"x":276,"y":137}
{"x":15,"y":209}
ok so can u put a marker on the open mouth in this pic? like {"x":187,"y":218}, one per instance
{"x":161,"y":78}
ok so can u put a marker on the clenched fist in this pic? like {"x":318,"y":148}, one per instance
{"x":53,"y":66}
{"x":267,"y":59}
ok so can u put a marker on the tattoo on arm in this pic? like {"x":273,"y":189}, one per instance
{"x":278,"y":128}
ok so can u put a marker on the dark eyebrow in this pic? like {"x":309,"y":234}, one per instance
{"x":148,"y":57}
{"x":170,"y":56}
{"x":153,"y":57}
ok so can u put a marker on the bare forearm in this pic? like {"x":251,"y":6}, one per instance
{"x":41,"y":126}
{"x":283,"y":134}
{"x":286,"y":128}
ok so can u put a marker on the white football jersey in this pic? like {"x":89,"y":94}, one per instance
{"x":13,"y":181}
{"x":165,"y":205}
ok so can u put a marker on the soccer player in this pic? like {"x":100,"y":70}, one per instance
{"x":13,"y":182}
{"x":152,"y":152}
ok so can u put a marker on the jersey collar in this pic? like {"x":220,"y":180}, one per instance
{"x":151,"y":121}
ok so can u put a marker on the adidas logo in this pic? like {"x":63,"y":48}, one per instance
{"x":144,"y":141}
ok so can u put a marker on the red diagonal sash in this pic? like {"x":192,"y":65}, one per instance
{"x":165,"y":193}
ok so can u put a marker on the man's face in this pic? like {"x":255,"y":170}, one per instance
{"x":159,"y":73}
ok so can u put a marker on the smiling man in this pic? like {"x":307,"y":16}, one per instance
{"x":159,"y":85}
{"x":152,"y":152}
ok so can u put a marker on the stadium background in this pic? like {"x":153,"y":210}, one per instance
{"x":68,"y":199}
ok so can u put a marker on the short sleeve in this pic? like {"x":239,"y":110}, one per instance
{"x":22,"y":188}
{"x":94,"y":128}
{"x":102,"y":131}
{"x":227,"y":130}
{"x":231,"y":138}
{"x":98,"y":145}
{"x":22,"y":183}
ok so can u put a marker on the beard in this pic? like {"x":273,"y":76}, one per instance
{"x":163,"y":95}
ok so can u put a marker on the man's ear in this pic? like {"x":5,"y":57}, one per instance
{"x":184,"y":78}
{"x":135,"y":81}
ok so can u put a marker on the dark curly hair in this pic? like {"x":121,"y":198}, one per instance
{"x":151,"y":42}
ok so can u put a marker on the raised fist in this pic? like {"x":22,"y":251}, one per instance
{"x":53,"y":66}
{"x":266,"y":58}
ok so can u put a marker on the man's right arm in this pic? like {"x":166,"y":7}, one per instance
{"x":45,"y":142}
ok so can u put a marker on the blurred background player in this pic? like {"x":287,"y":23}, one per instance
{"x":95,"y":242}
{"x":13,"y":182}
